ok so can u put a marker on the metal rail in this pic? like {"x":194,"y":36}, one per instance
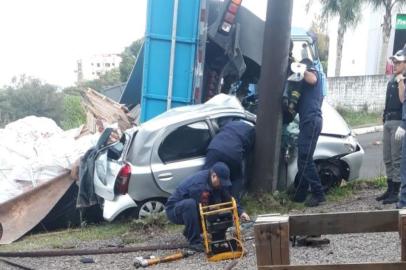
{"x":81,"y":252}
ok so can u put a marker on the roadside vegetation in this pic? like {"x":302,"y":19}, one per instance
{"x":122,"y":232}
{"x":349,"y":189}
{"x":131,"y":231}
{"x":257,"y":204}
{"x":25,"y":95}
{"x":360,"y":118}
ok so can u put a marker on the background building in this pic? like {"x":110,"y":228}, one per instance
{"x":362,"y":45}
{"x":91,"y":68}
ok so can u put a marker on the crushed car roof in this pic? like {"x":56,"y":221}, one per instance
{"x":218,"y":103}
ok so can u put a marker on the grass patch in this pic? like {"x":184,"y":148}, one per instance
{"x":128,"y":231}
{"x":68,"y":238}
{"x":263,"y":203}
{"x":379,"y":182}
{"x":349,"y":189}
{"x":360,"y":118}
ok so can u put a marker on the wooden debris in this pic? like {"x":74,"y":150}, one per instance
{"x":103,"y":111}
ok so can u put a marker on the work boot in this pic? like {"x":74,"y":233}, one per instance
{"x":393,"y":195}
{"x":314,"y":201}
{"x":387,"y":192}
{"x":297,"y":195}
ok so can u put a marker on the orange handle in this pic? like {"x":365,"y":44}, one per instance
{"x":173,"y":257}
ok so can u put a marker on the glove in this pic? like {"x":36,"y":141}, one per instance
{"x":298,"y":70}
{"x":399,"y":134}
{"x":399,"y":77}
{"x":245,"y":217}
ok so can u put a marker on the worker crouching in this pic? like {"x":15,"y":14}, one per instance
{"x":207,"y":187}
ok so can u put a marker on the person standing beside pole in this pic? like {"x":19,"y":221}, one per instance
{"x":392,"y":119}
{"x":310,"y":125}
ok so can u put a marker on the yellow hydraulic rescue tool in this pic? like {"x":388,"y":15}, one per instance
{"x":221,"y":231}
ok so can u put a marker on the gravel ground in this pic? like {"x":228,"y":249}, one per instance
{"x":377,"y":247}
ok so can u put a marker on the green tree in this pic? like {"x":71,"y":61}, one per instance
{"x":388,"y":6}
{"x":73,"y":112}
{"x":319,"y":28}
{"x":128,"y":57}
{"x":29,"y":96}
{"x":73,"y":90}
{"x":349,"y":14}
{"x":110,"y":78}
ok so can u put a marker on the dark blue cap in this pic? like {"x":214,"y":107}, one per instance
{"x":223,"y":172}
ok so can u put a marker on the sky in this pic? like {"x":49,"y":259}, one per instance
{"x":45,"y":38}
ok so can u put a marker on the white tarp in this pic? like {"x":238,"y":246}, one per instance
{"x":34,"y":149}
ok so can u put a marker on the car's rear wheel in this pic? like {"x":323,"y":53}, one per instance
{"x":150,"y":208}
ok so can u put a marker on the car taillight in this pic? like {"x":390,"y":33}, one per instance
{"x":229,"y":16}
{"x":123,"y":180}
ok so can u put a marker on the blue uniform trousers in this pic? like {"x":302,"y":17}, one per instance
{"x":307,"y":173}
{"x":185,"y":212}
{"x":402,"y":197}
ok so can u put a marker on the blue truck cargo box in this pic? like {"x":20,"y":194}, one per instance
{"x":157,"y":56}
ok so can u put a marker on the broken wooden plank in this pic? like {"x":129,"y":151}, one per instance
{"x":101,"y":109}
{"x":349,"y":222}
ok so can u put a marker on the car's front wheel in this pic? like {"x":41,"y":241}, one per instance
{"x":330,"y":174}
{"x":150,"y":207}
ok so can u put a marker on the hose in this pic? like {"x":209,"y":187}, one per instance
{"x":81,"y":252}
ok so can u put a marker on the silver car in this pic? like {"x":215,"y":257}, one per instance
{"x":144,"y":168}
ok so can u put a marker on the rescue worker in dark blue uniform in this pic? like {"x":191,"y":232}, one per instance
{"x":207,"y":187}
{"x":231,"y":145}
{"x":310,"y":125}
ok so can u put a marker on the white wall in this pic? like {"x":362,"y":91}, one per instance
{"x":358,"y":92}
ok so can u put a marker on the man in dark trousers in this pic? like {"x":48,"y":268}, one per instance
{"x":392,"y":119}
{"x":206,"y":187}
{"x":231,"y":145}
{"x":310,"y":125}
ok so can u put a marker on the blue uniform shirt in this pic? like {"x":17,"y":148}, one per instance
{"x":311,"y":99}
{"x":198,"y":187}
{"x":235,"y":139}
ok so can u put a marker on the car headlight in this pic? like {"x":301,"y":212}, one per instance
{"x":350,"y":144}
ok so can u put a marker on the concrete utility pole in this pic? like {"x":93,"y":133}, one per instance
{"x":273,"y":75}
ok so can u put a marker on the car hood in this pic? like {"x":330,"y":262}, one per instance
{"x":333,"y":122}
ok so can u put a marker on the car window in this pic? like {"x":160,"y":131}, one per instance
{"x":185,"y":142}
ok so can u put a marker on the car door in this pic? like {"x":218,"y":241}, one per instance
{"x":180,"y":153}
{"x":107,"y":165}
